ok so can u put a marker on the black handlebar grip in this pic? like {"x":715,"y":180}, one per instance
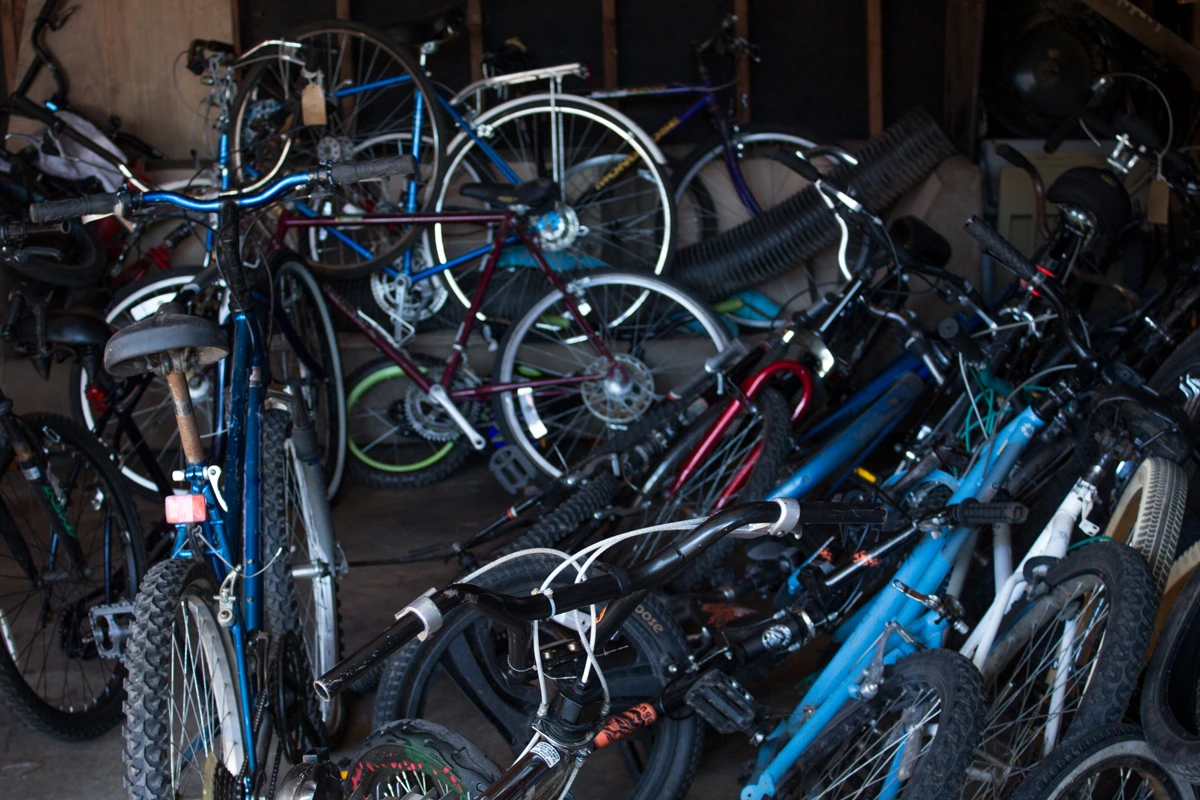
{"x":49,"y":210}
{"x":822,"y":513}
{"x":972,"y":512}
{"x":992,"y":242}
{"x":352,"y":172}
{"x":806,"y":169}
{"x":1014,"y":156}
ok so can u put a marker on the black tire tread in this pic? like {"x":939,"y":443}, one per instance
{"x":568,"y":516}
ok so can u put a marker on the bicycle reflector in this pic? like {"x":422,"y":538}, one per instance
{"x":186,"y":508}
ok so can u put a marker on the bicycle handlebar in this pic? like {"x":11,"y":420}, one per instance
{"x":335,"y":175}
{"x":424,"y":617}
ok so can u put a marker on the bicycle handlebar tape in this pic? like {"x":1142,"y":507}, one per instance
{"x":802,"y":225}
{"x":971,"y":512}
{"x":50,"y":210}
{"x":992,"y":242}
{"x":353,"y":172}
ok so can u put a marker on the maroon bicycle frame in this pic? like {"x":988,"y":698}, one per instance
{"x":508,"y":224}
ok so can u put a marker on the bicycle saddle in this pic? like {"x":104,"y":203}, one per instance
{"x":1095,"y":191}
{"x":71,"y":327}
{"x":137,"y":348}
{"x":920,"y":241}
{"x":529,"y":194}
{"x":439,"y":26}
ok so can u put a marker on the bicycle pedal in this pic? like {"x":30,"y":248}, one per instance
{"x":111,"y":628}
{"x":511,"y":469}
{"x":723,"y":703}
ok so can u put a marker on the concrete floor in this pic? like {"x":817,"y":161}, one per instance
{"x":370,"y":524}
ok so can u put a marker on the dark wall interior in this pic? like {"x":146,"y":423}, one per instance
{"x":812,"y":75}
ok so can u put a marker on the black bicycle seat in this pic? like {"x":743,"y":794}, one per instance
{"x":439,"y":26}
{"x":134,"y":350}
{"x":920,"y":241}
{"x":72,"y":327}
{"x":529,"y":194}
{"x":1096,"y":191}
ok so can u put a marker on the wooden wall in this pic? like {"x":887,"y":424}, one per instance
{"x":119,"y":57}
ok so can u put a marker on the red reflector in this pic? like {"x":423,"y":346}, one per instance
{"x":185,"y":508}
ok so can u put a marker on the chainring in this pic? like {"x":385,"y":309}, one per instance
{"x":405,"y":301}
{"x":429,"y":419}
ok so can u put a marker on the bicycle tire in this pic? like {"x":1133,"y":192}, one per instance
{"x":620,"y":304}
{"x":1169,"y":694}
{"x":942,"y":767}
{"x":1149,"y":515}
{"x":407,"y":680}
{"x":426,"y":749}
{"x":1099,"y":690}
{"x":133,"y":302}
{"x":1083,"y":757}
{"x":506,"y":126}
{"x":94,"y":714}
{"x":436,"y":460}
{"x":325,"y":397}
{"x":699,"y":207}
{"x":431,"y":171}
{"x":151,"y":715}
{"x":567,"y":517}
{"x":316,"y":618}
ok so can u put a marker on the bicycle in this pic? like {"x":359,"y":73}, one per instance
{"x":70,"y":537}
{"x":234,"y":623}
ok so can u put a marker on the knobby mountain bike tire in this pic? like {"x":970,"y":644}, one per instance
{"x":1109,"y":761}
{"x":472,"y":654}
{"x":51,"y":674}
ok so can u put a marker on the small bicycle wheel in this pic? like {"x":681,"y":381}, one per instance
{"x":184,"y":732}
{"x":307,"y":352}
{"x":301,"y":581}
{"x":385,"y":413}
{"x":744,"y":465}
{"x":1068,"y":662}
{"x":52,"y":674}
{"x":614,"y":207}
{"x":374,"y":89}
{"x":149,"y":399}
{"x":657,"y":334}
{"x":472,"y":653}
{"x":706,"y":193}
{"x":412,"y":756}
{"x":1110,"y":761}
{"x":914,"y":737}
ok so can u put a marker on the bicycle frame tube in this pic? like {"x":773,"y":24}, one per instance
{"x":923,"y":570}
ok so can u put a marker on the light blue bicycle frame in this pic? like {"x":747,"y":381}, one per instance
{"x":924,"y":570}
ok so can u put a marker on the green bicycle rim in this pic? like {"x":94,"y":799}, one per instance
{"x":357,"y":392}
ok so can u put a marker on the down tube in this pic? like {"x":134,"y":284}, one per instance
{"x":252,"y":524}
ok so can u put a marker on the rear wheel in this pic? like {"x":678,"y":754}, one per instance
{"x":658,"y":335}
{"x":412,"y":756}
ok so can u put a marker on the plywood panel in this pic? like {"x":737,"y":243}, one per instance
{"x":119,"y":57}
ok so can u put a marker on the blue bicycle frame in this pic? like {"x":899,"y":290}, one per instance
{"x":924,"y":570}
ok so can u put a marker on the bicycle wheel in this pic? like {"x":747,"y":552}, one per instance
{"x":414,"y":756}
{"x":1095,"y":614}
{"x":1171,"y":693}
{"x":1149,"y":515}
{"x":301,"y":581}
{"x":377,"y":88}
{"x":1111,"y":761}
{"x":658,"y":334}
{"x":705,"y":192}
{"x":388,"y":432}
{"x":184,"y":731}
{"x":614,"y":208}
{"x":743,"y":466}
{"x":151,"y":406}
{"x":915,"y":736}
{"x":472,"y":654}
{"x":52,"y":675}
{"x":308,"y":353}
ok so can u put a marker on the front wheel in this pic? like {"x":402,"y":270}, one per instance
{"x":914,"y":737}
{"x":413,"y":754}
{"x":656,"y":335}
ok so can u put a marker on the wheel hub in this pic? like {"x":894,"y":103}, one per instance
{"x":559,"y":228}
{"x":623,"y":394}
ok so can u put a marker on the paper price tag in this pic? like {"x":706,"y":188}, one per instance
{"x":1158,"y":204}
{"x":312,"y":105}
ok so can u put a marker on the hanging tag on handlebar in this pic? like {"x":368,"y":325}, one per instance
{"x":312,"y":104}
{"x":1158,"y":204}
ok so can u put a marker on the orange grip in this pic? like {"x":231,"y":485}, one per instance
{"x":625,"y":723}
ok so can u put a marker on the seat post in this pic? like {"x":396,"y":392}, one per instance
{"x":185,"y":418}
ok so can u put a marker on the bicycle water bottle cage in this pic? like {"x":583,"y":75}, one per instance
{"x":534,"y":194}
{"x":148,"y":345}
